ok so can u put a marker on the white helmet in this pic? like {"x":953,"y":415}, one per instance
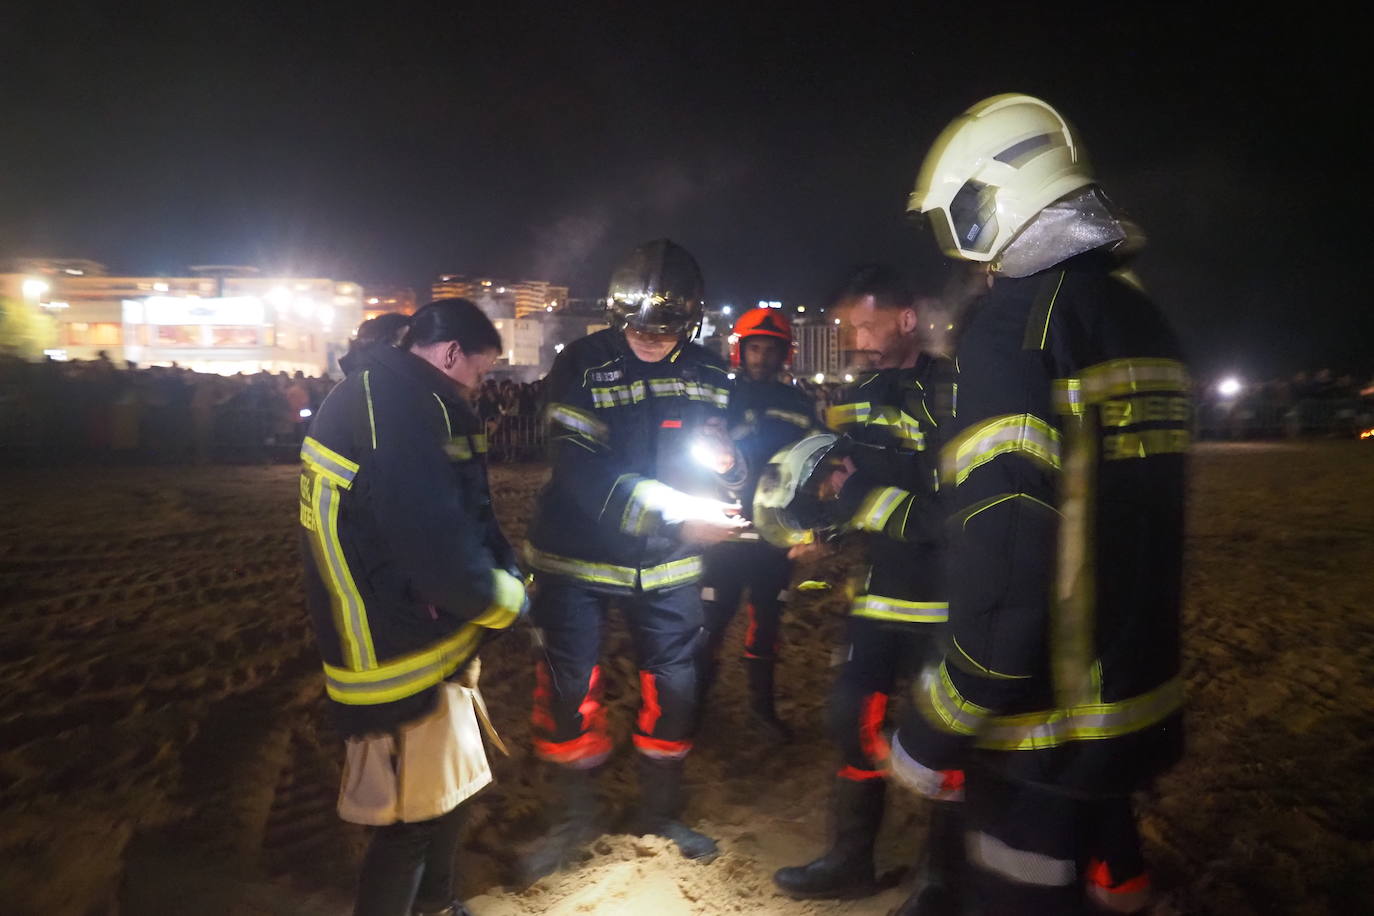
{"x":992,"y":170}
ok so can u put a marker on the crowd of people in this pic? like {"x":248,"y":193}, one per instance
{"x":102,"y":411}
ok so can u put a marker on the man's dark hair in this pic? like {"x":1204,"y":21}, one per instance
{"x":885,"y":284}
{"x":385,"y":328}
{"x":452,"y":319}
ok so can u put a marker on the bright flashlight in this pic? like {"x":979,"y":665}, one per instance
{"x":306,"y":412}
{"x":704,"y":454}
{"x":1228,"y":387}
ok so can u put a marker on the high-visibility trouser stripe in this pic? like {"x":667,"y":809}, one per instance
{"x":877,"y":507}
{"x":351,"y":616}
{"x":462,"y":448}
{"x":1127,"y":376}
{"x":939,"y":785}
{"x":661,"y":748}
{"x":1013,"y":433}
{"x":788,"y":416}
{"x":991,"y":854}
{"x":847,"y":414}
{"x":405,"y":676}
{"x":666,"y":575}
{"x":328,"y":462}
{"x":579,"y":421}
{"x":878,"y":607}
{"x":677,"y":572}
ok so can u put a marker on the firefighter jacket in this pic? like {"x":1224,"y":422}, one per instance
{"x":401,"y":546}
{"x":621,"y":433}
{"x":765,"y":417}
{"x":1066,"y":472}
{"x":893,"y":415}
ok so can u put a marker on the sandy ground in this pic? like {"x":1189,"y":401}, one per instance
{"x":163,"y":747}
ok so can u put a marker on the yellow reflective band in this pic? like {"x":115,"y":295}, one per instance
{"x":579,"y":421}
{"x":600,"y":573}
{"x":350,"y":615}
{"x":371,"y":419}
{"x":639,"y":507}
{"x":676,"y":572}
{"x":1128,"y":376}
{"x":977,"y":446}
{"x":943,"y":705}
{"x":876,"y":508}
{"x":847,"y":414}
{"x":788,"y":416}
{"x":879,"y":607}
{"x":1089,"y":722}
{"x":1122,"y":412}
{"x":665,"y":575}
{"x":618,"y":395}
{"x":903,"y":426}
{"x":327,"y":462}
{"x":696,"y":391}
{"x":405,"y":676}
{"x":1145,"y":444}
{"x":458,"y":448}
{"x":1068,"y":396}
{"x":986,"y":504}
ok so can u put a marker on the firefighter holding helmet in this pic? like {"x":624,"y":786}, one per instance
{"x":1059,"y":686}
{"x":623,"y":520}
{"x":766,"y":414}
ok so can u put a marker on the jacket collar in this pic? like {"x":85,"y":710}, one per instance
{"x":409,"y":366}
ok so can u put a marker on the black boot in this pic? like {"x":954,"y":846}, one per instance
{"x":939,"y":880}
{"x":571,"y":832}
{"x":846,"y":869}
{"x":660,"y":806}
{"x":761,"y":711}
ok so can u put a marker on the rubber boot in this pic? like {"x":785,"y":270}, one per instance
{"x":846,"y":869}
{"x":575,"y":791}
{"x":762,"y":714}
{"x":660,"y":806}
{"x":939,"y":879}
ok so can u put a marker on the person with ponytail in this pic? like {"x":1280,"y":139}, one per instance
{"x":406,"y":573}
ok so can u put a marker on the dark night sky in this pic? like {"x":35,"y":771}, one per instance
{"x":545,"y":140}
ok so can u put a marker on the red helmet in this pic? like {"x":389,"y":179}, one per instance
{"x":762,"y":322}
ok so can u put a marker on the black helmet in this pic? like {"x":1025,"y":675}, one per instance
{"x":657,"y":289}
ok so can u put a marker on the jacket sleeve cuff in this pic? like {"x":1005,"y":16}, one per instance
{"x":508,"y":598}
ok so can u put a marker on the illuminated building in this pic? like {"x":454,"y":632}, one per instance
{"x":379,"y":300}
{"x":818,"y":348}
{"x":523,"y":297}
{"x":221,"y":319}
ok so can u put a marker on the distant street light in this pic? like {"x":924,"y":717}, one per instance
{"x":1229,"y":387}
{"x":35,"y":288}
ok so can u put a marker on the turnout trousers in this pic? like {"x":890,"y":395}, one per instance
{"x":569,"y":720}
{"x":877,"y":655}
{"x":734,"y":568}
{"x":1034,"y":851}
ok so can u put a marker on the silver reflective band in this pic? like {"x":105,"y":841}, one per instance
{"x":919,"y":778}
{"x":1036,"y":868}
{"x":1013,"y":433}
{"x":328,"y":462}
{"x":882,"y":608}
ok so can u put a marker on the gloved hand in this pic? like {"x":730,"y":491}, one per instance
{"x":508,"y":601}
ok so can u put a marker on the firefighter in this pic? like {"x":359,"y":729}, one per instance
{"x":1060,"y":681}
{"x":624,"y":519}
{"x":766,"y":414}
{"x":406,"y":571}
{"x":883,"y":487}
